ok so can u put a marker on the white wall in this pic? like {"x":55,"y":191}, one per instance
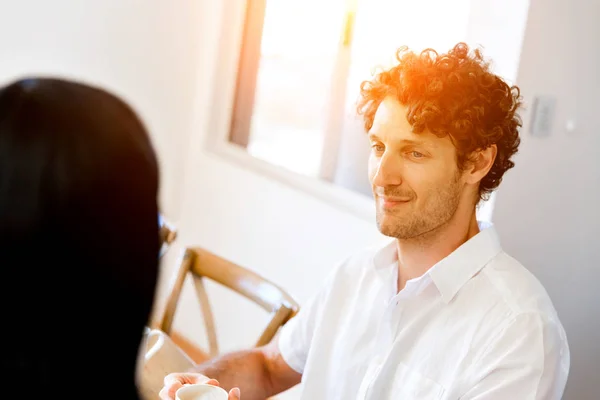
{"x":547,"y":208}
{"x":144,"y":50}
{"x":498,"y":26}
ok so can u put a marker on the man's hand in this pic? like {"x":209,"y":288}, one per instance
{"x":175,"y":381}
{"x":259,"y":372}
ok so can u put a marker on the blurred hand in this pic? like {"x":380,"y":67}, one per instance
{"x":175,"y":381}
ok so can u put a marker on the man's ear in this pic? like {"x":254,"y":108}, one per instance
{"x":480,"y":163}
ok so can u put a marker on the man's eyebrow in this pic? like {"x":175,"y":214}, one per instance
{"x":406,"y":142}
{"x":412,"y":142}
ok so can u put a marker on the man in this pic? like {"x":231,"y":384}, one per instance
{"x":441,"y":312}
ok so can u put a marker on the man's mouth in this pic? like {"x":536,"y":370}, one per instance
{"x":390,"y":202}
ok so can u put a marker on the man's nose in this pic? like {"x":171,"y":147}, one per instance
{"x":388,"y":171}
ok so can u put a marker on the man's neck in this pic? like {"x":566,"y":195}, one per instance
{"x":416,"y":256}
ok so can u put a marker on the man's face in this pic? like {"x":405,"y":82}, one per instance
{"x":415,"y":179}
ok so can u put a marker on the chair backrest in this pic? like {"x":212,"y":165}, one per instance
{"x":201,"y":264}
{"x":166,"y":233}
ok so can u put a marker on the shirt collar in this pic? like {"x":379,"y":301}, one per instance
{"x":452,"y":272}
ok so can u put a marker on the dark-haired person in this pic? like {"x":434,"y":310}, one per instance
{"x":442,"y":312}
{"x":78,"y":240}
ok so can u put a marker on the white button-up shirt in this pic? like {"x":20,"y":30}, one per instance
{"x":477,"y":325}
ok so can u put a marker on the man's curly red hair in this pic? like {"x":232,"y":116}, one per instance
{"x":452,"y":94}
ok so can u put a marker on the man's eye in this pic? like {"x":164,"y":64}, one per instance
{"x":378,"y":148}
{"x":416,"y":154}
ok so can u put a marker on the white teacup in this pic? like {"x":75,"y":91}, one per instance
{"x":201,"y":391}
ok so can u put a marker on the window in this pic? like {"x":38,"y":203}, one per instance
{"x":285,"y":81}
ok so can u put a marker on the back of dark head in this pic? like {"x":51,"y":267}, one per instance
{"x":78,"y":230}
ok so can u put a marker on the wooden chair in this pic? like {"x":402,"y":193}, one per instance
{"x":166,"y":233}
{"x":200,"y":264}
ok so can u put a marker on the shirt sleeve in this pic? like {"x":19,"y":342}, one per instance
{"x":296,"y":335}
{"x":528,"y":359}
